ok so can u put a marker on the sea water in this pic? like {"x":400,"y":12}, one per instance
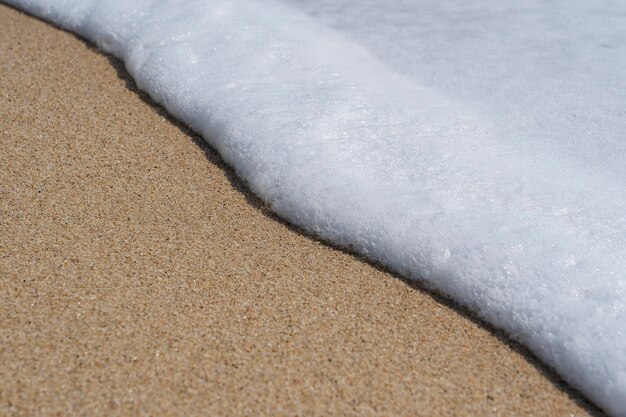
{"x":477,"y":146}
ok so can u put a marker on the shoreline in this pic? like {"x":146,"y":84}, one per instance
{"x":116,"y":216}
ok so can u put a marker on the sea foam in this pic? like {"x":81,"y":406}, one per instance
{"x":479,"y":147}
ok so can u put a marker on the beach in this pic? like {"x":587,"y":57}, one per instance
{"x":139,"y":276}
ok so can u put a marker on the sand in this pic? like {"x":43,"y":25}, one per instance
{"x":138,"y":276}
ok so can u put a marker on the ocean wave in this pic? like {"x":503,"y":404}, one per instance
{"x":477,"y":148}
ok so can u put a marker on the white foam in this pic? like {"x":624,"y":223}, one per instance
{"x":480,"y":148}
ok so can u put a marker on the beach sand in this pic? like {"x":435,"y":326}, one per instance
{"x":139,"y":277}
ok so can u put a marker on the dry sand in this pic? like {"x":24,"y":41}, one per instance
{"x":138,"y":276}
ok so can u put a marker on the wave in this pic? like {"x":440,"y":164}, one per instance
{"x":364,"y":127}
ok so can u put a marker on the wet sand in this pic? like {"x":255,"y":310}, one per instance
{"x":138,"y":276}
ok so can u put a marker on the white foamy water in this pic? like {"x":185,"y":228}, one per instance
{"x":478,"y":146}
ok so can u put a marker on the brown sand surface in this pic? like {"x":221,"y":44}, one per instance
{"x":138,"y":277}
